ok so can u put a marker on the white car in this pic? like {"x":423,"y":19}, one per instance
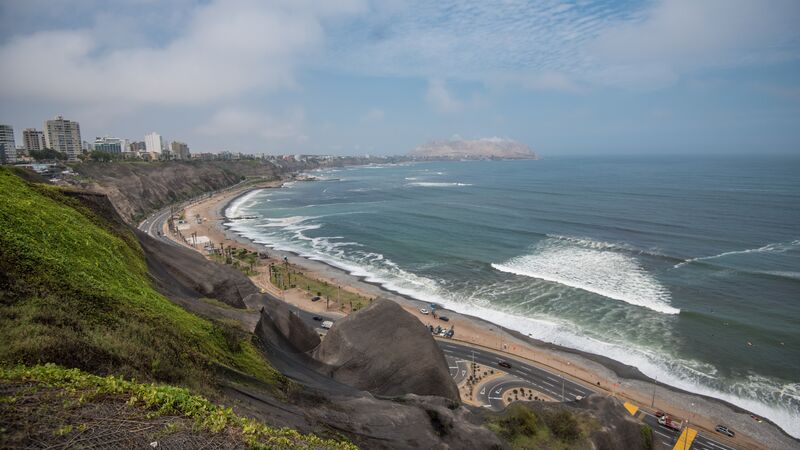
{"x":327,"y":324}
{"x":424,"y":311}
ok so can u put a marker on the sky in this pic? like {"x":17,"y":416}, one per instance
{"x":356,"y":77}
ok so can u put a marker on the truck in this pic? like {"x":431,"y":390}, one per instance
{"x":668,"y":422}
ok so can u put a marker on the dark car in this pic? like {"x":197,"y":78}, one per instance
{"x":725,"y":430}
{"x":505,"y":364}
{"x":315,"y":298}
{"x":318,"y":318}
{"x":444,"y":318}
{"x":659,"y":413}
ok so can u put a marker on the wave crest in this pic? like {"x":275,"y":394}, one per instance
{"x":593,"y":269}
{"x":778,"y":247}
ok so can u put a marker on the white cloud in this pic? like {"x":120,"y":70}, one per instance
{"x":440,"y":98}
{"x":228,"y":48}
{"x":255,"y":125}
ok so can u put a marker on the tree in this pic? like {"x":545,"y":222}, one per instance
{"x":47,"y":154}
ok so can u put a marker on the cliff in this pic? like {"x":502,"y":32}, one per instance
{"x":487,"y":148}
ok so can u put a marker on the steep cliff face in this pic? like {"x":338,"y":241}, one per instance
{"x":139,"y":188}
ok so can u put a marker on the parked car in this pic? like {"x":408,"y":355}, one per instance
{"x":327,"y":324}
{"x":424,"y":311}
{"x":318,"y":318}
{"x":315,"y":298}
{"x":659,"y":413}
{"x":725,"y":430}
{"x":757,"y":418}
{"x":502,"y":363}
{"x":444,"y":318}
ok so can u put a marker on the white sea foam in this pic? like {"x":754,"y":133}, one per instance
{"x":432,"y":184}
{"x":233,"y":209}
{"x":604,"y":272}
{"x":778,"y":247}
{"x":285,"y":221}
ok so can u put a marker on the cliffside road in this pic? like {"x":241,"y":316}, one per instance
{"x":520,"y":375}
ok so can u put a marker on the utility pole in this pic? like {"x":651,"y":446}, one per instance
{"x":653,"y":401}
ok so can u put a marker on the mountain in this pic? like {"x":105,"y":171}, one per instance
{"x":486,"y":148}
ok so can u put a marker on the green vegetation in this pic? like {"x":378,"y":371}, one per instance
{"x":75,"y":291}
{"x":647,"y":437}
{"x":239,"y":258}
{"x":159,"y":401}
{"x":47,"y":154}
{"x":102,"y":156}
{"x":285,"y":277}
{"x":524,"y":429}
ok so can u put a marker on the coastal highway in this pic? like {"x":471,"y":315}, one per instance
{"x":520,"y":375}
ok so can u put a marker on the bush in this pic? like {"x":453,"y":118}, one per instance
{"x":647,"y":437}
{"x":563,"y":425}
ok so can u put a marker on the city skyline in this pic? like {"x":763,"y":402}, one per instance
{"x":356,"y":77}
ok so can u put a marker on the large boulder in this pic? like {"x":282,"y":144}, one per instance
{"x":279,"y":325}
{"x":386,"y":351}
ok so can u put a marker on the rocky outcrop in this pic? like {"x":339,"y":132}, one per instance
{"x":474,"y":149}
{"x":179,"y":272}
{"x":278,"y":322}
{"x":386,"y":351}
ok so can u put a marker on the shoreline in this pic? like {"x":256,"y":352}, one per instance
{"x":614,"y":377}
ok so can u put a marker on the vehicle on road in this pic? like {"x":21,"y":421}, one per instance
{"x":667,"y":421}
{"x":444,"y":318}
{"x":659,"y":414}
{"x":317,"y":318}
{"x":505,"y":364}
{"x":424,"y":311}
{"x":725,"y":430}
{"x":758,"y":419}
{"x":327,"y":324}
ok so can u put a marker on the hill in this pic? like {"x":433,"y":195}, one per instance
{"x":487,"y":148}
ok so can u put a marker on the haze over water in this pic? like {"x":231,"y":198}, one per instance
{"x":687,"y":268}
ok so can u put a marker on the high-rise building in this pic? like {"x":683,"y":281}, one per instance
{"x":63,"y":136}
{"x":179,"y":150}
{"x":153,"y":142}
{"x":108,"y":144}
{"x":33,"y":139}
{"x":8,"y":149}
{"x":137,"y":147}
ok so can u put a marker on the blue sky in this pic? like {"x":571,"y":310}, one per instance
{"x":565,"y":77}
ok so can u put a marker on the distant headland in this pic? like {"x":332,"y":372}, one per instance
{"x":486,"y":148}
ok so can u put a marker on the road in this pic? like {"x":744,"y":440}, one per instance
{"x":520,"y":375}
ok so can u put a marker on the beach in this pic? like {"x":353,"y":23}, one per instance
{"x":603,"y":374}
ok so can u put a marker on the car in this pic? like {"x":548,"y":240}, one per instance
{"x":505,"y":364}
{"x":444,"y":318}
{"x":725,"y":430}
{"x":327,"y":324}
{"x":757,"y":418}
{"x":659,"y":413}
{"x":424,"y":311}
{"x":317,"y":318}
{"x":316,"y":298}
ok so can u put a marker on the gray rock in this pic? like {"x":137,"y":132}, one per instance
{"x":386,"y":351}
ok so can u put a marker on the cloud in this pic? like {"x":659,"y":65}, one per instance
{"x":226,"y":49}
{"x":677,"y":37}
{"x":255,"y":126}
{"x":440,"y":98}
{"x":565,"y":46}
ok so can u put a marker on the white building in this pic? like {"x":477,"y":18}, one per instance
{"x":63,"y":136}
{"x":8,"y":149}
{"x":33,"y":139}
{"x":153,"y":143}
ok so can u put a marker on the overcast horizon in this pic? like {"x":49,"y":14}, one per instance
{"x":356,"y":77}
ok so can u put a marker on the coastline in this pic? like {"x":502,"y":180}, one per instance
{"x":614,"y":377}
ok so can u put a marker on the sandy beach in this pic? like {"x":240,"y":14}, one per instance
{"x":603,"y":374}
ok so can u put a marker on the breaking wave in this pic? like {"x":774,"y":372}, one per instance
{"x":595,"y":268}
{"x":778,"y":247}
{"x":433,"y":184}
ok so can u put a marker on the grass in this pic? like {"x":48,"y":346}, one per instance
{"x":523,"y":428}
{"x":284,"y":277}
{"x":158,"y":400}
{"x":74,"y":290}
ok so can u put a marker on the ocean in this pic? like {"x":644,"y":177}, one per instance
{"x":685,"y":267}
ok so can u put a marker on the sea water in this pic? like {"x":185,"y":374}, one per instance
{"x":685,"y":267}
